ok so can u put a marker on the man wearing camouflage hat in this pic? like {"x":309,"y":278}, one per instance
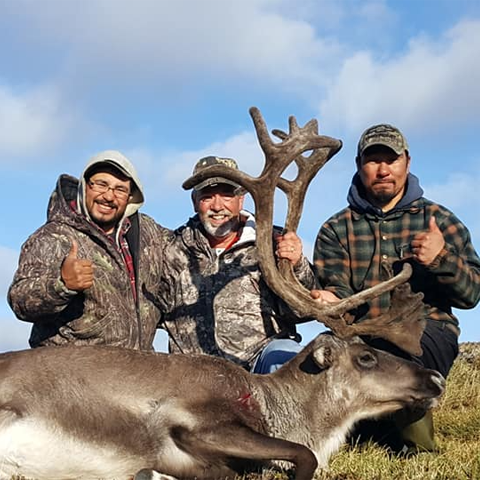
{"x":215,"y":299}
{"x":389,"y":220}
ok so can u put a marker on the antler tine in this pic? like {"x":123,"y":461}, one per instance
{"x":299,"y":297}
{"x":308,"y":167}
{"x":404,"y":322}
{"x":280,"y":134}
{"x":292,"y":124}
{"x":299,"y":140}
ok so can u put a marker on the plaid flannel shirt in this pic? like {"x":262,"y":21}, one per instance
{"x":351,"y":246}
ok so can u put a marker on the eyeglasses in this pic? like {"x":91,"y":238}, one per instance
{"x":99,"y":186}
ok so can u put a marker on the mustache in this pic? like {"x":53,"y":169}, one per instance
{"x":382,"y":182}
{"x":211,"y":213}
{"x":107,"y":203}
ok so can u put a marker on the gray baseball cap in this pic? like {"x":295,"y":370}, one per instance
{"x":382,"y":134}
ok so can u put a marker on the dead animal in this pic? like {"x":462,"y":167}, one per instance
{"x":108,"y":413}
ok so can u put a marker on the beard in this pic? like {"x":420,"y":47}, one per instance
{"x":382,"y":196}
{"x":223,"y":230}
{"x":106,"y":222}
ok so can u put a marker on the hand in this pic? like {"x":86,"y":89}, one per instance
{"x":427,"y":245}
{"x":77,"y":274}
{"x":324,"y":296}
{"x":289,"y":246}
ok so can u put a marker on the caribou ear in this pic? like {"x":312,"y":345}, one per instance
{"x":323,"y":356}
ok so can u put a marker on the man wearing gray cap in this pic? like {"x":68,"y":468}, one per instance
{"x":84,"y":277}
{"x":389,"y":221}
{"x":215,"y":299}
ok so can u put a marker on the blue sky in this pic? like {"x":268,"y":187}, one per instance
{"x":169,"y":82}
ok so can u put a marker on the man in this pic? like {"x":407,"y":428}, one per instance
{"x":216,"y":301}
{"x":86,"y":276}
{"x":388,"y":220}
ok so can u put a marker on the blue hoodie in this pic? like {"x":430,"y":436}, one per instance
{"x":357,"y":200}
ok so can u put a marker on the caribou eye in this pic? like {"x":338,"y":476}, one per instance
{"x":367,"y":360}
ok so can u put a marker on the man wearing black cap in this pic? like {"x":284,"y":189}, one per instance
{"x":84,"y":276}
{"x":389,"y":221}
{"x":216,"y":301}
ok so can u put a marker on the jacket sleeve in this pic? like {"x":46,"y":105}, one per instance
{"x":37,"y":289}
{"x":172,"y":266}
{"x":304,"y":273}
{"x":332,"y":261}
{"x":457,"y":267}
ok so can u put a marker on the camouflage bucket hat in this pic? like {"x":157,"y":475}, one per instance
{"x":382,"y":134}
{"x":210,"y":182}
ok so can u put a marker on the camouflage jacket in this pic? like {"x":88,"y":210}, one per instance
{"x":219,"y":304}
{"x":106,"y":313}
{"x":352,"y":245}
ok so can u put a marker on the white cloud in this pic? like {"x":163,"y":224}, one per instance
{"x":375,"y":11}
{"x":8,"y":262}
{"x":169,"y":169}
{"x":181,"y":42}
{"x":459,"y":190}
{"x":459,"y":193}
{"x":32,"y":121}
{"x":163,"y":45}
{"x":432,"y":86}
{"x":14,"y":334}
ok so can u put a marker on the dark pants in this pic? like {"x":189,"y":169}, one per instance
{"x":439,"y":344}
{"x":440,"y":348}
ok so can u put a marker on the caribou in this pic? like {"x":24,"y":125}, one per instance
{"x":101,"y":412}
{"x":105,"y":413}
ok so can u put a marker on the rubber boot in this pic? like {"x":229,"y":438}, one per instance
{"x":419,"y":435}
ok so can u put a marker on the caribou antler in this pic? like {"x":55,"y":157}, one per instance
{"x":399,"y":325}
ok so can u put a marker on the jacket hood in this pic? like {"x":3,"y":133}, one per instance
{"x":357,"y":200}
{"x":122,"y":163}
{"x":59,"y":202}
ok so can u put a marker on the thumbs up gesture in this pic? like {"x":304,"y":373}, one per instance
{"x":77,"y":273}
{"x":427,"y":245}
